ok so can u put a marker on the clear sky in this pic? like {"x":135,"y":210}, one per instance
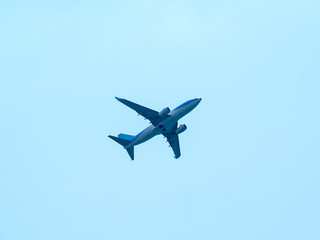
{"x":250,"y":164}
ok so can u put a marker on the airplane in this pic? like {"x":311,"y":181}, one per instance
{"x":164,"y":122}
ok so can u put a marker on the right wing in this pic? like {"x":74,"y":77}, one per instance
{"x":147,"y":113}
{"x":173,"y":139}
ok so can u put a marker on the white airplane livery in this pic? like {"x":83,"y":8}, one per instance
{"x":164,"y":122}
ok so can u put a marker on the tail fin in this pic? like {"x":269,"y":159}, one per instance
{"x":124,"y":142}
{"x":126,"y":136}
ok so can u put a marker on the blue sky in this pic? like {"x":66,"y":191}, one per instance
{"x":250,"y":157}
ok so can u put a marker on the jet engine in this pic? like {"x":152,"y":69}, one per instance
{"x":164,"y":112}
{"x":181,"y":129}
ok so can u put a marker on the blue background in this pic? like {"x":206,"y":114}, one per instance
{"x":250,"y":157}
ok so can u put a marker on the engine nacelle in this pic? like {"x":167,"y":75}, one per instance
{"x":181,"y":129}
{"x":164,"y":112}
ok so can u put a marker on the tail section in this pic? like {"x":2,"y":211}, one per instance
{"x":126,"y":136}
{"x":121,"y":141}
{"x":131,"y":152}
{"x":124,"y":142}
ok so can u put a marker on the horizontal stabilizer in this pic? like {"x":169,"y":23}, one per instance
{"x":124,"y":142}
{"x":121,"y":141}
{"x":131,"y":152}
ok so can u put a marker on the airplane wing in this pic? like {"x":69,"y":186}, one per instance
{"x":173,"y":140}
{"x":147,"y":113}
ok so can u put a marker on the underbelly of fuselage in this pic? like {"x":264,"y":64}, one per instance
{"x":152,"y":131}
{"x":147,"y":134}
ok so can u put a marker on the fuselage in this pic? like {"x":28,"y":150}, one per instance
{"x":167,"y":124}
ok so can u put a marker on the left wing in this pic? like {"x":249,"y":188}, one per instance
{"x":147,"y":113}
{"x":173,"y":140}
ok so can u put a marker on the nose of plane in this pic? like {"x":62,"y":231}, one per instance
{"x":197,"y":101}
